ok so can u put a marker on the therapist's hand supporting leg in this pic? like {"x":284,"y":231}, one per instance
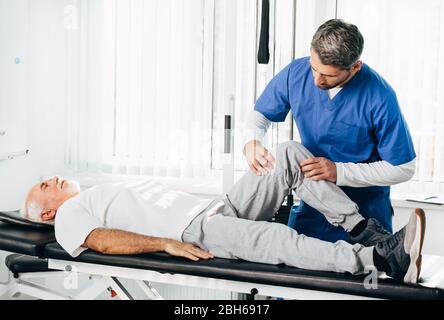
{"x":258,"y":198}
{"x":319,"y":168}
{"x":259,"y":159}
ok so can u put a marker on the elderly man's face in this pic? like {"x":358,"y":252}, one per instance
{"x":51,"y":194}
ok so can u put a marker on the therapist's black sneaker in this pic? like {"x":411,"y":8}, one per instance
{"x":402,"y":251}
{"x":373,"y":233}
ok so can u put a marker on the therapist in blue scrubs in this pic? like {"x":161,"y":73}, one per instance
{"x":348,"y":116}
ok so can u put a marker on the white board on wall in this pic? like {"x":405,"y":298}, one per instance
{"x":13,"y":77}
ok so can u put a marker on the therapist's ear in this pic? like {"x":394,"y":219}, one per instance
{"x":357,"y":66}
{"x":48,"y":215}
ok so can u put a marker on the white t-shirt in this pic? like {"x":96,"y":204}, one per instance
{"x":147,"y":208}
{"x":333,"y":92}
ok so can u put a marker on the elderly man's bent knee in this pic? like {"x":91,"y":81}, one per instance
{"x":290,"y":154}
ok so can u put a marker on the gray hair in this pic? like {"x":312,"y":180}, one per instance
{"x":32,"y":210}
{"x":338,"y":43}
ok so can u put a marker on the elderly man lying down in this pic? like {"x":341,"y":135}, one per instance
{"x":148,"y":217}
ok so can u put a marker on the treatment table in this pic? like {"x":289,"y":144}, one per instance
{"x":35,"y":253}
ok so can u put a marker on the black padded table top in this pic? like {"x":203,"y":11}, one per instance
{"x":254,"y":272}
{"x":25,"y":240}
{"x":16,"y":218}
{"x":20,"y":263}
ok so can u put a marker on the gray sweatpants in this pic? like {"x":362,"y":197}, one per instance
{"x":236,"y":227}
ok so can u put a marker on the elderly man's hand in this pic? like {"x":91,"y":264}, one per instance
{"x":186,"y":250}
{"x":319,"y":169}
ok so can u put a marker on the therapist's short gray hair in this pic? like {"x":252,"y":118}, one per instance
{"x":338,"y":43}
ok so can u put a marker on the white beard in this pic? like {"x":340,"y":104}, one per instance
{"x":71,"y":187}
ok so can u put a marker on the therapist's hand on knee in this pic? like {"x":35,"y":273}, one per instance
{"x":319,"y":169}
{"x":259,"y":159}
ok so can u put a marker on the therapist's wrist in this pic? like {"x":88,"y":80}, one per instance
{"x":252,"y":142}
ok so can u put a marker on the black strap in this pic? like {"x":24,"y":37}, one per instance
{"x":263,"y":55}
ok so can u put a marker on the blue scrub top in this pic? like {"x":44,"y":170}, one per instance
{"x":361,"y":124}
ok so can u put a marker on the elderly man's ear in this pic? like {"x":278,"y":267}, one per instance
{"x":48,"y":214}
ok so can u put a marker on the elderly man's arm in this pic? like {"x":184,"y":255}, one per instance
{"x":112,"y":241}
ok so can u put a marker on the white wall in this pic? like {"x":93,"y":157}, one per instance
{"x":13,"y":66}
{"x":46,"y":89}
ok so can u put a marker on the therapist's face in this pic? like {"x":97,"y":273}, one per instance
{"x":327,"y":76}
{"x":51,"y":194}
